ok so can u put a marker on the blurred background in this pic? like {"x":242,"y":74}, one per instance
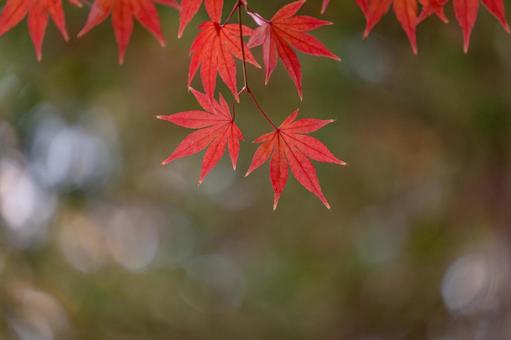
{"x":99,"y":241}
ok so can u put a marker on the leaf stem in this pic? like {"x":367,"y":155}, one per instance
{"x":233,"y":10}
{"x":233,"y":110}
{"x":259,"y":108}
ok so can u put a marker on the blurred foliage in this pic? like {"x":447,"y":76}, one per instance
{"x":100,"y":242}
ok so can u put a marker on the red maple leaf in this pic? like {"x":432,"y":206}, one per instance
{"x":406,"y":14}
{"x":216,"y":131}
{"x":37,"y":12}
{"x":189,"y":9}
{"x":123,"y":13}
{"x":405,"y":11}
{"x":466,"y":14}
{"x":289,"y":146}
{"x":430,"y":7}
{"x":284,"y":32}
{"x":214,"y":50}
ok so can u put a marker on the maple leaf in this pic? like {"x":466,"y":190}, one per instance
{"x":214,"y":50}
{"x":289,"y":146}
{"x":430,"y":7}
{"x":466,"y":14}
{"x":284,"y":32}
{"x":189,"y":9}
{"x":405,"y":11}
{"x":37,"y":12}
{"x":123,"y":13}
{"x":216,"y":130}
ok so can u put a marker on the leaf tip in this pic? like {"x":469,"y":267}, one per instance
{"x":276,"y":200}
{"x":180,"y":32}
{"x":365,"y":35}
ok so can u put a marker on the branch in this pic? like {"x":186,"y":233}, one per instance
{"x":246,"y":88}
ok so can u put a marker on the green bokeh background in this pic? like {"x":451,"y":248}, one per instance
{"x":415,"y":247}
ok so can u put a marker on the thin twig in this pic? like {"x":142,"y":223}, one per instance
{"x":246,"y":87}
{"x":242,"y":42}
